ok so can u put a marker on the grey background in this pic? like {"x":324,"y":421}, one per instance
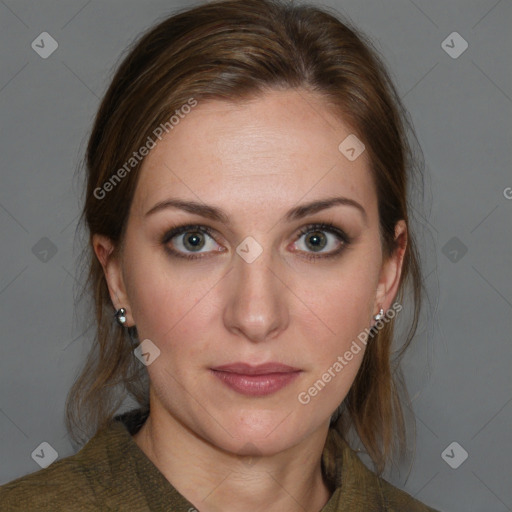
{"x":458,"y":370}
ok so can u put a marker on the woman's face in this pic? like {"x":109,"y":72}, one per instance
{"x":263,"y":286}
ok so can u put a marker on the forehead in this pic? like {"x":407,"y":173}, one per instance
{"x":271,"y":150}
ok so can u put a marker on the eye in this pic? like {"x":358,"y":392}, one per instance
{"x":196,"y":241}
{"x":189,"y":241}
{"x":318,"y":237}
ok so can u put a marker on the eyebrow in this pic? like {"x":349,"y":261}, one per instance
{"x":296,"y":213}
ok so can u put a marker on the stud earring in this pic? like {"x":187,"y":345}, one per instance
{"x":120,"y":315}
{"x":379,"y":315}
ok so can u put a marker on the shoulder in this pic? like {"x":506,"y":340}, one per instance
{"x":61,"y":486}
{"x":361,"y":487}
{"x":396,"y":500}
{"x":75,"y":483}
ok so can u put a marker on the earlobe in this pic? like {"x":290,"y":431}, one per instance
{"x":104,"y":249}
{"x":391,"y":271}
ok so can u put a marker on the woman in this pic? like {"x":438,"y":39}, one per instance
{"x":248,"y":219}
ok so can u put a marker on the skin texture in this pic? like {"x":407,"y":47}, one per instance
{"x":256,"y":160}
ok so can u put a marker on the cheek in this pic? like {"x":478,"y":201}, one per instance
{"x":170,"y":305}
{"x":334,"y":324}
{"x":334,"y":328}
{"x":340,"y":301}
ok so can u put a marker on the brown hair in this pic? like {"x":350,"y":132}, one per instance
{"x":234,"y":50}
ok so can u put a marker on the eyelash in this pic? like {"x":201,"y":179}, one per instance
{"x":322,"y":226}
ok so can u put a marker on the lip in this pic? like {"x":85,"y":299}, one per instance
{"x":260,"y":369}
{"x":259,"y":380}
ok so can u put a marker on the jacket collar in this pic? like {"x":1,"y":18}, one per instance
{"x":356,"y":488}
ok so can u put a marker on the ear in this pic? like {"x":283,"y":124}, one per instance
{"x":391,"y":271}
{"x":110,"y":261}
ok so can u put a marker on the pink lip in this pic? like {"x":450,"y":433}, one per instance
{"x":258,"y":380}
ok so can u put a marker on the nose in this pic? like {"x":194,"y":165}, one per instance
{"x":257,"y":305}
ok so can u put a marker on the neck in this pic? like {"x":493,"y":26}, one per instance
{"x":291,"y":480}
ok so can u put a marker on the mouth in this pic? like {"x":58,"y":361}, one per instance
{"x":260,"y":380}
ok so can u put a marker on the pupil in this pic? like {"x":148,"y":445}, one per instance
{"x":317,"y":237}
{"x":193,"y":241}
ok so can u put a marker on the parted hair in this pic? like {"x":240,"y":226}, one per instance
{"x":235,"y":50}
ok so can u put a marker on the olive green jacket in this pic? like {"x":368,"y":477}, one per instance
{"x":111,"y":473}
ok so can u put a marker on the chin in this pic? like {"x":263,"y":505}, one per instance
{"x":260,"y":433}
